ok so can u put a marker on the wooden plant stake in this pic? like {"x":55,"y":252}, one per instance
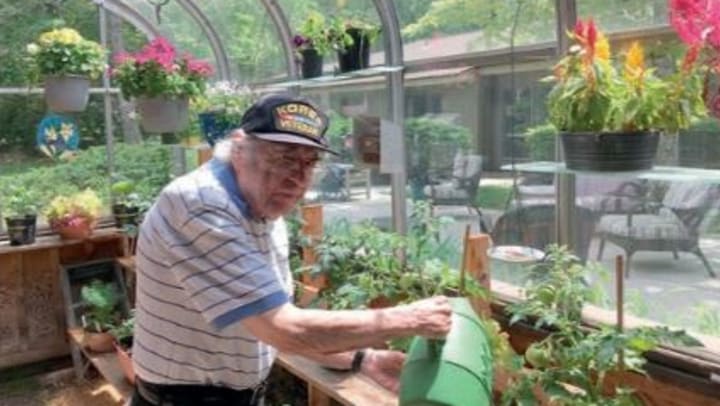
{"x":312,"y":216}
{"x":475,"y":261}
{"x":204,"y":155}
{"x":620,"y":309}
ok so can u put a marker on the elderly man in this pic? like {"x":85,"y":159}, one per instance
{"x":214,"y":287}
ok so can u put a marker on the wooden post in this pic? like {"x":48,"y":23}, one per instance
{"x":476,"y":263}
{"x":312,"y":216}
{"x":204,"y":154}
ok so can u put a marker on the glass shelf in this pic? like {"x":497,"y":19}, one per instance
{"x":666,"y":173}
{"x":338,"y":77}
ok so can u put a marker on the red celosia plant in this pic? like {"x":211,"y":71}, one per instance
{"x":697,"y":23}
{"x":157,"y":70}
{"x":591,"y":93}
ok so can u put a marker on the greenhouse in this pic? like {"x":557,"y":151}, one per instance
{"x":360,"y":202}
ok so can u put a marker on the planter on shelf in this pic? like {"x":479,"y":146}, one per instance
{"x":125,"y":215}
{"x":124,"y":355}
{"x":213,"y":126}
{"x":591,"y":151}
{"x":311,"y":63}
{"x":98,"y":342}
{"x":79,"y":229}
{"x":67,"y":93}
{"x":163,"y":114}
{"x":357,"y":55}
{"x":21,"y":230}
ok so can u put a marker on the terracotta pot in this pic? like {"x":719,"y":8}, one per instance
{"x":82,"y":229}
{"x":125,"y":361}
{"x":98,"y":342}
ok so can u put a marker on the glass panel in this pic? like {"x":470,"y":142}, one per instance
{"x":249,"y":37}
{"x":436,"y":29}
{"x":347,"y":188}
{"x":618,"y":15}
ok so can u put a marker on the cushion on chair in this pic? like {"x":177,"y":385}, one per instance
{"x":663,"y":226}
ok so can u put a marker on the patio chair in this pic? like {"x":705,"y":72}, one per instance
{"x":534,"y":226}
{"x":670,"y":225}
{"x":461,"y":188}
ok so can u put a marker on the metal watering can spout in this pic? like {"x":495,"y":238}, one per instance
{"x":456,"y":371}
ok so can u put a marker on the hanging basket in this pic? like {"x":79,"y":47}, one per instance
{"x":163,"y":114}
{"x":357,"y":55}
{"x":610,"y":151}
{"x":311,"y":63}
{"x":67,"y":93}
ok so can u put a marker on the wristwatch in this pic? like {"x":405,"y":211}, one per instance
{"x":357,"y":361}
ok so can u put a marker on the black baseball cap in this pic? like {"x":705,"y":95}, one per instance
{"x":287,"y":118}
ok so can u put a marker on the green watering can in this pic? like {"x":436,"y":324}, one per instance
{"x":454,"y":372}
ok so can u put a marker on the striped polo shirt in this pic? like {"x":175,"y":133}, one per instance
{"x":203,"y":264}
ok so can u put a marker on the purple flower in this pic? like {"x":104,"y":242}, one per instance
{"x":299,"y":41}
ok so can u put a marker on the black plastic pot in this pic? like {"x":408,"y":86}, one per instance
{"x":21,"y":230}
{"x":125,"y":215}
{"x":357,"y":55}
{"x":311,"y":64}
{"x":607,"y":152}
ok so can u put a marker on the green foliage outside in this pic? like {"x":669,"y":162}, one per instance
{"x":493,"y":196}
{"x":540,"y":142}
{"x":147,"y":166}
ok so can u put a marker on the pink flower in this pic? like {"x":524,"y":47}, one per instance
{"x":199,"y":67}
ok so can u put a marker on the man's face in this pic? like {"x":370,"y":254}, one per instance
{"x":274,"y":176}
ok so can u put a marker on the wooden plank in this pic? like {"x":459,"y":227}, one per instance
{"x":204,"y":154}
{"x":312,"y":216}
{"x":54,"y":241}
{"x":10,"y":303}
{"x":108,"y":366}
{"x":345,"y":387}
{"x":127,"y":262}
{"x":477,"y":264}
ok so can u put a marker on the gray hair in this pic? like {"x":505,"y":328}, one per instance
{"x":224,"y":148}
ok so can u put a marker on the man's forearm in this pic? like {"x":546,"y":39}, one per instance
{"x":341,"y":360}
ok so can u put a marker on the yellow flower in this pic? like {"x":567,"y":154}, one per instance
{"x":634,"y":62}
{"x":602,"y":48}
{"x":50,"y":134}
{"x":62,"y":36}
{"x":66,"y":130}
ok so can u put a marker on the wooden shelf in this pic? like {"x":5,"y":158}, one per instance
{"x":108,"y":366}
{"x":345,"y":387}
{"x":54,"y":241}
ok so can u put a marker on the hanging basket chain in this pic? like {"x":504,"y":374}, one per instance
{"x":158,"y":4}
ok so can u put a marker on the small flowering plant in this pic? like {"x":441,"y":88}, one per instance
{"x":313,"y":34}
{"x":592,"y":95}
{"x":64,"y":51}
{"x":158,"y":70}
{"x":80,"y":208}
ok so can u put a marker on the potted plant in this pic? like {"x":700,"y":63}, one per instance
{"x":20,"y":210}
{"x":162,"y":82}
{"x":74,"y":217}
{"x":352,"y":39}
{"x":570,"y":365}
{"x":610,"y":119}
{"x":221,"y":108}
{"x":123,"y":334}
{"x":100,"y":314}
{"x":68,"y":62}
{"x":125,"y":206}
{"x":311,"y":44}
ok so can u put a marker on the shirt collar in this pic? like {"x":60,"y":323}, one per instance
{"x":225,"y":174}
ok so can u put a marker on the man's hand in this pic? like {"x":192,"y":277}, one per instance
{"x":384,"y":368}
{"x":431,"y":317}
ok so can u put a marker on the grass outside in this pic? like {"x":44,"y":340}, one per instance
{"x":493,"y":196}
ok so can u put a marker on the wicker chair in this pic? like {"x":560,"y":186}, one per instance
{"x":671,"y":225}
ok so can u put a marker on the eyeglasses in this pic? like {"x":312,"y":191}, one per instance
{"x":287,"y":162}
